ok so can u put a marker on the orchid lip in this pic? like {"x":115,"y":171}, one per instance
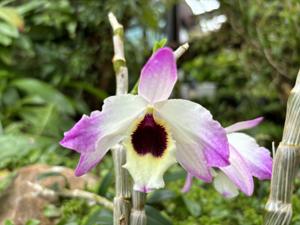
{"x":149,"y":137}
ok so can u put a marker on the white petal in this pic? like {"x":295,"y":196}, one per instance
{"x":238,"y":172}
{"x":93,"y":136}
{"x":200,"y":140}
{"x":225,"y":186}
{"x":244,"y":125}
{"x":258,"y":158}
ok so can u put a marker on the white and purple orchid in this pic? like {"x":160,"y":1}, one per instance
{"x":247,"y":160}
{"x":156,"y":131}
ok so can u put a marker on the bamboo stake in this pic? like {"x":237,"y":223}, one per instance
{"x":122,"y":204}
{"x":286,"y":163}
{"x":138,"y":214}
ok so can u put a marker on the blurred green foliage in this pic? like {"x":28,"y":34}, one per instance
{"x":55,"y":64}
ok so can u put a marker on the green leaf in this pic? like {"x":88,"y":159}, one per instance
{"x":192,"y":206}
{"x":8,"y":30}
{"x":9,"y":222}
{"x":44,"y":120}
{"x":48,"y":93}
{"x":15,"y":145}
{"x":174,"y":175}
{"x":51,"y":211}
{"x":89,"y":88}
{"x":160,"y":195}
{"x":11,"y":16}
{"x":106,"y":182}
{"x":6,"y":181}
{"x":33,"y":222}
{"x":5,"y":40}
{"x":159,"y":44}
{"x":99,"y":216}
{"x":154,"y":217}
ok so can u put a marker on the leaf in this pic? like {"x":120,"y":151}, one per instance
{"x":175,"y":175}
{"x":33,"y":222}
{"x":15,"y":145}
{"x":154,"y":217}
{"x":192,"y":206}
{"x":99,"y":216}
{"x":51,"y":211}
{"x":44,"y":120}
{"x":106,"y":182}
{"x":48,"y":93}
{"x":89,"y":88}
{"x":160,"y":195}
{"x":12,"y":16}
{"x":159,"y":44}
{"x":4,"y":40}
{"x":8,"y":30}
{"x":9,"y":222}
{"x":6,"y":181}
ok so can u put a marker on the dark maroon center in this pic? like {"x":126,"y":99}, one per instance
{"x":149,"y":137}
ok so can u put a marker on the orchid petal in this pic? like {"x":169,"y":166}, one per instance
{"x":225,"y":186}
{"x":238,"y":172}
{"x":93,"y":136}
{"x":84,"y":134}
{"x":258,"y":158}
{"x":196,"y":133}
{"x":158,"y":76}
{"x":244,"y":125}
{"x":188,"y":183}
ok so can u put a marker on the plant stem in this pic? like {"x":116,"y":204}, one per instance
{"x":122,"y":204}
{"x":75,"y":193}
{"x":138,"y":214}
{"x":286,"y":163}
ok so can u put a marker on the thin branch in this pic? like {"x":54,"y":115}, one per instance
{"x":66,"y":193}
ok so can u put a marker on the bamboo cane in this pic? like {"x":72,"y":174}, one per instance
{"x":122,"y":203}
{"x":286,"y":163}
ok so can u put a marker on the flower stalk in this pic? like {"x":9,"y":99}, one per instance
{"x":138,"y":214}
{"x":123,"y":186}
{"x":286,"y":164}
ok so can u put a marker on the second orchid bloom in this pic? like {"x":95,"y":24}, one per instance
{"x":247,"y":160}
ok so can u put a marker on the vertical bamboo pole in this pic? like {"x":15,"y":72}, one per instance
{"x":286,"y":164}
{"x":122,"y":203}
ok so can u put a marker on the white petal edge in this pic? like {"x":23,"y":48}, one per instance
{"x":243,"y":125}
{"x":117,"y":115}
{"x":225,"y":186}
{"x":190,"y":121}
{"x":258,"y":158}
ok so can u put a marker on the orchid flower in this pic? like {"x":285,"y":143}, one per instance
{"x":155,"y":131}
{"x":247,"y":160}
